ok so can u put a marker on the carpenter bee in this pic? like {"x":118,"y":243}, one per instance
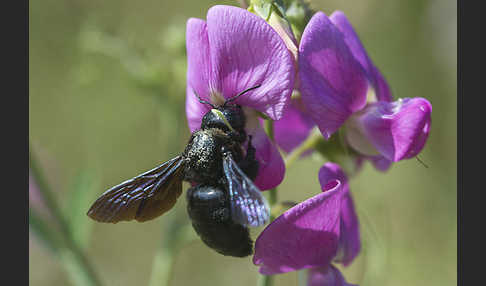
{"x":223,"y":200}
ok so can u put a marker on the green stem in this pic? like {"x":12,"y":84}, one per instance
{"x":162,"y":267}
{"x":272,"y":199}
{"x":178,"y":234}
{"x":43,"y":231}
{"x":265,"y":280}
{"x":308,"y":144}
{"x":302,"y":277}
{"x":74,"y":254}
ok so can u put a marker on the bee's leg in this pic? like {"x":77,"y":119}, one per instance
{"x":249,"y":164}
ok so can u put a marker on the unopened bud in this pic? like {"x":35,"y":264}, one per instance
{"x":274,"y":12}
{"x":298,"y":14}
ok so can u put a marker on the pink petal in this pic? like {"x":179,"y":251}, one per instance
{"x":349,"y":240}
{"x":353,"y":42}
{"x":305,"y":236}
{"x":198,"y":71}
{"x":382,"y":90}
{"x":351,"y":38}
{"x":195,"y":110}
{"x":271,"y":170}
{"x":198,"y":59}
{"x":398,"y":130}
{"x":333,"y":83}
{"x":293,"y":128}
{"x":245,"y":51}
{"x":326,"y":276}
{"x":380,"y":163}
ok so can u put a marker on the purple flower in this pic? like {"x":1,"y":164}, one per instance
{"x":314,"y":233}
{"x":341,"y":87}
{"x":391,"y":130}
{"x":230,"y":52}
{"x":294,"y":127}
{"x":326,"y":276}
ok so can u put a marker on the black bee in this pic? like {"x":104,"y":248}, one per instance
{"x":223,"y":200}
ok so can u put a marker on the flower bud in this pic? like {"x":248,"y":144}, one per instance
{"x":298,"y":13}
{"x":274,"y":14}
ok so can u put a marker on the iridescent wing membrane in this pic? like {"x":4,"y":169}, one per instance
{"x":248,"y":206}
{"x":144,"y":197}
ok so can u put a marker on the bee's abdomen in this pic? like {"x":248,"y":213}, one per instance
{"x":209,"y":210}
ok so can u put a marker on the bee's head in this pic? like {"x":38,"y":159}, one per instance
{"x":227,"y":118}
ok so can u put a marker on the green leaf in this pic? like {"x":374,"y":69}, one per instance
{"x":83,"y":192}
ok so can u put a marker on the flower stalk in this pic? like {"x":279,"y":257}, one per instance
{"x":267,"y":280}
{"x":178,"y":235}
{"x":70,"y":252}
{"x":309,"y":144}
{"x":272,"y":198}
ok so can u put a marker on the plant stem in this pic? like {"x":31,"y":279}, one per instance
{"x":177,"y":235}
{"x":43,"y":232}
{"x":76,"y":255}
{"x":272,"y":199}
{"x":308,"y":144}
{"x":162,"y":267}
{"x":265,"y":280}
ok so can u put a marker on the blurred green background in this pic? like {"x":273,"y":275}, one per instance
{"x":107,"y":88}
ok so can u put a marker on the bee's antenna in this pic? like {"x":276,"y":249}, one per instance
{"x":241,"y":93}
{"x":203,"y":101}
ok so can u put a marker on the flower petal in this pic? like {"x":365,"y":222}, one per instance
{"x":198,"y":59}
{"x":333,"y":83}
{"x":351,"y":38}
{"x":195,"y":110}
{"x":305,"y":236}
{"x":380,"y":163}
{"x":293,"y":128}
{"x":382,"y":90}
{"x":349,"y":239}
{"x":353,"y":42}
{"x":398,"y":130}
{"x":326,"y":276}
{"x":271,"y":168}
{"x":198,"y":71}
{"x":246,"y":51}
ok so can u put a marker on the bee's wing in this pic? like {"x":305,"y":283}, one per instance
{"x":248,"y":205}
{"x":144,"y":197}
